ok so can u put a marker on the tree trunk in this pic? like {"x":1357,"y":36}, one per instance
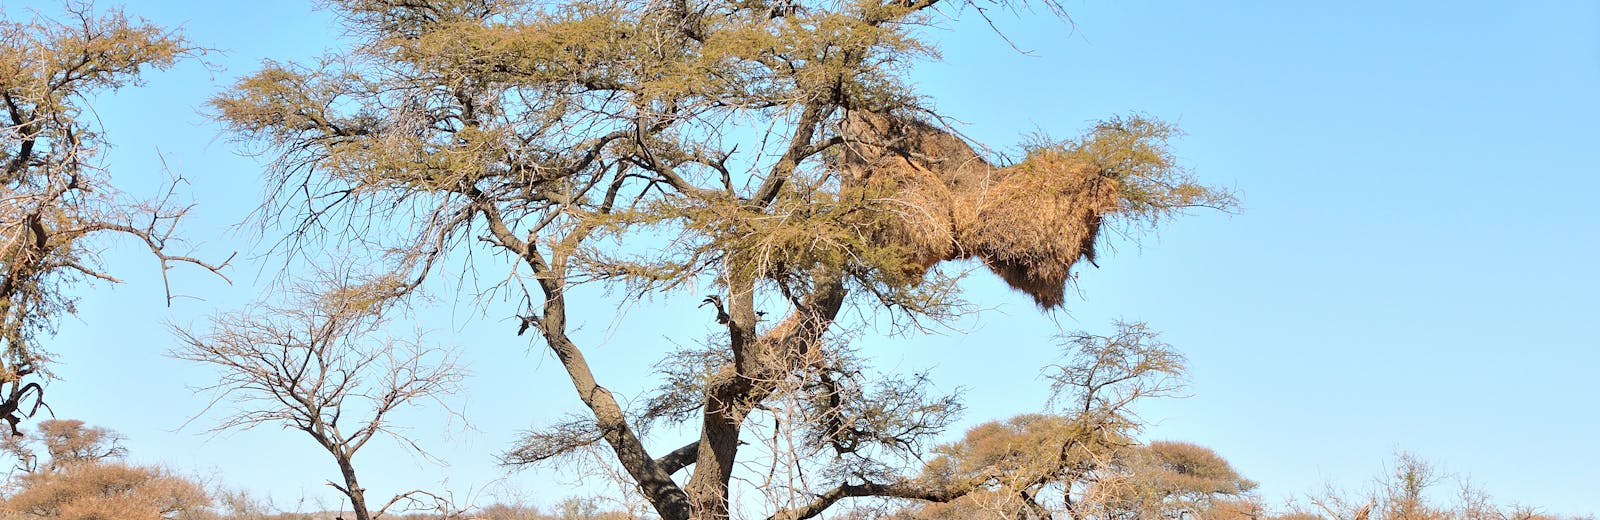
{"x":656,"y":485}
{"x":725,"y":408}
{"x":352,"y":489}
{"x":719,"y":444}
{"x":758,"y":363}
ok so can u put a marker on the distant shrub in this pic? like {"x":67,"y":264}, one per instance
{"x":101,"y":490}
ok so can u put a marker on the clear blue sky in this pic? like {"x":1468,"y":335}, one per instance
{"x":1413,"y":268}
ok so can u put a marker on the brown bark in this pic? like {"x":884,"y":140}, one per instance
{"x":903,"y":489}
{"x":679,"y":458}
{"x":654,"y":482}
{"x":725,"y":408}
{"x":758,"y":365}
{"x":352,"y":488}
{"x":719,"y":444}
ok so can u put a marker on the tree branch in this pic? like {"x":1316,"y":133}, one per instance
{"x":907,"y":489}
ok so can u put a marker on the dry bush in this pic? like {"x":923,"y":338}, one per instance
{"x":569,"y":509}
{"x":1175,"y":478}
{"x":1405,"y":491}
{"x":104,"y":490}
{"x":1232,"y":509}
{"x":65,"y":441}
{"x":83,"y":480}
{"x":1189,"y":467}
{"x":1297,"y":515}
{"x":509,"y":512}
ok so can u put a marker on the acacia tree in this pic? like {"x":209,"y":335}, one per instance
{"x":772,"y":150}
{"x":56,"y":199}
{"x":1084,"y":462}
{"x":64,"y":441}
{"x":1182,"y":480}
{"x":85,"y":480}
{"x":1163,"y":479}
{"x":317,"y":363}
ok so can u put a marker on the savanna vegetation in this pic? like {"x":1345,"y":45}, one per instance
{"x":770,"y":153}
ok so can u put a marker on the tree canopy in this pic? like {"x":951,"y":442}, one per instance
{"x":772,"y":150}
{"x":56,"y":197}
{"x":765,"y":168}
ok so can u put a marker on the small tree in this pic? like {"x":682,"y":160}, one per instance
{"x":1083,"y":462}
{"x":1410,"y":477}
{"x":1167,"y":479}
{"x":1408,"y":490}
{"x":317,"y":364}
{"x":65,"y":441}
{"x":56,"y":199}
{"x":84,"y":480}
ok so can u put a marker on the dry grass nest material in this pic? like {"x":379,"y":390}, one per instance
{"x":1029,"y":222}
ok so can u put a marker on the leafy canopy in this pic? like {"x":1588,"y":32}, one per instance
{"x":771,"y":150}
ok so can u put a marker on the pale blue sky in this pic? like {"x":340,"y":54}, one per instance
{"x":1412,"y":268}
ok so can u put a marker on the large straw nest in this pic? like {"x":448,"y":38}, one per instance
{"x":1029,"y":223}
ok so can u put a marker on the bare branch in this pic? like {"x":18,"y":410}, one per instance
{"x":56,"y":200}
{"x":316,"y":360}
